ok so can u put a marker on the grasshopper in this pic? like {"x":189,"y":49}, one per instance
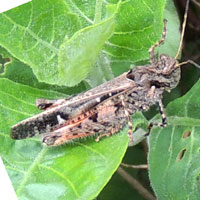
{"x":104,"y":110}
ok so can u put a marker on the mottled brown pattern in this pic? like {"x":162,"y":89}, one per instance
{"x":104,"y":110}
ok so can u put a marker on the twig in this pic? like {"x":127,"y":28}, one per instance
{"x":135,"y":184}
{"x":196,"y":2}
{"x":135,"y":166}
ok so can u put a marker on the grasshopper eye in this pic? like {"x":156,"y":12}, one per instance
{"x":130,"y":75}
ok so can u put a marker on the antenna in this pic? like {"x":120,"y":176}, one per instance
{"x":183,"y":29}
{"x":181,"y":41}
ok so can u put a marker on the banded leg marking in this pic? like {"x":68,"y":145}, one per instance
{"x":151,"y":50}
{"x":102,"y":135}
{"x":164,"y":119}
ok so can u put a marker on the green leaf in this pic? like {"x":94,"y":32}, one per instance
{"x":34,"y":32}
{"x":22,"y":73}
{"x":77,"y":171}
{"x":174,"y":158}
{"x":171,"y":44}
{"x":61,"y":41}
{"x":136,"y":32}
{"x":80,"y":52}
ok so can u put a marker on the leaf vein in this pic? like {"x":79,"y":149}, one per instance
{"x":46,"y":44}
{"x":30,"y":169}
{"x":64,"y":177}
{"x":81,"y":13}
{"x":92,"y":150}
{"x":17,"y":111}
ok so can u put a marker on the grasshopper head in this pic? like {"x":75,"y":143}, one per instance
{"x":167,"y":74}
{"x":166,"y":65}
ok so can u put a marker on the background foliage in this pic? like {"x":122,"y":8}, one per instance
{"x":56,"y":48}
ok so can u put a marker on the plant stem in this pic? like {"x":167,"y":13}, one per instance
{"x":135,"y":166}
{"x":135,"y":184}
